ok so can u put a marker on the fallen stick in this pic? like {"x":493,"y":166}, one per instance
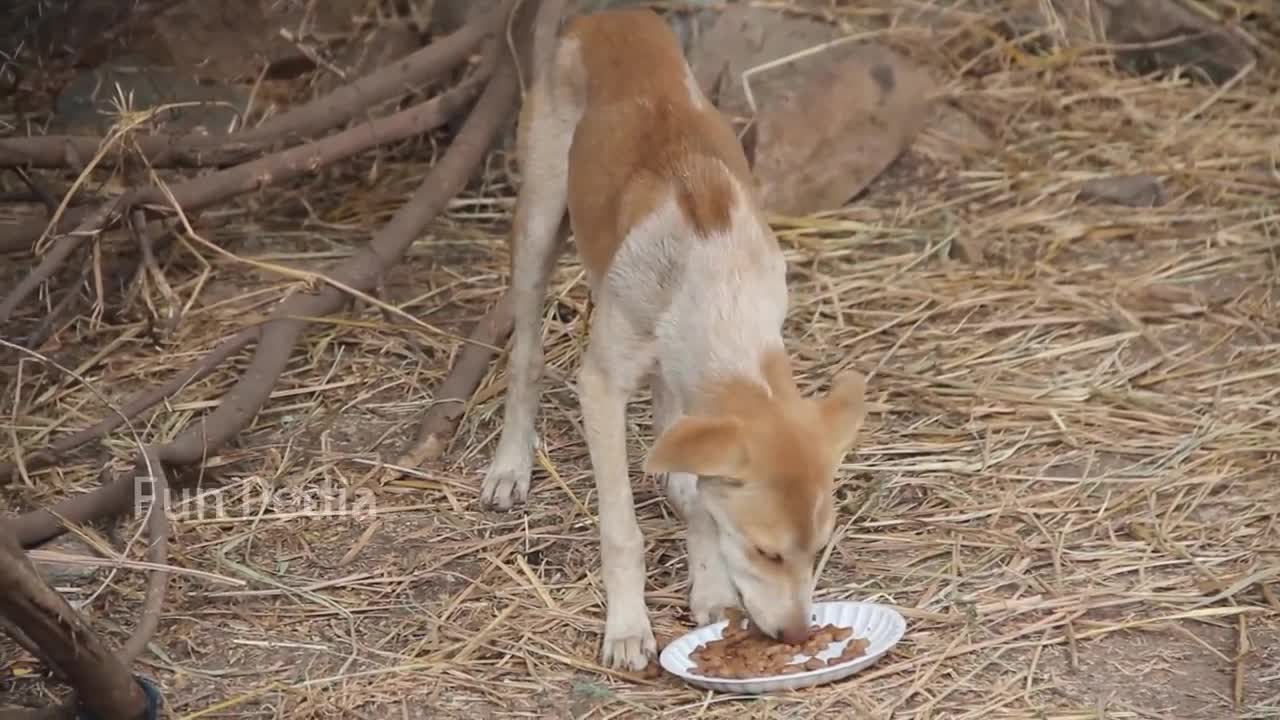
{"x":19,"y":637}
{"x":205,"y":190}
{"x":91,"y":224}
{"x":112,"y":499}
{"x":449,"y":401}
{"x":149,"y":468}
{"x":60,"y":312}
{"x":361,"y":272}
{"x":146,"y":469}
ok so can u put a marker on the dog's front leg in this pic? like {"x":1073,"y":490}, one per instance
{"x":614,"y":363}
{"x":710,"y":589}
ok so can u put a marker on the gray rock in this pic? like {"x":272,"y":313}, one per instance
{"x":88,"y":103}
{"x":232,"y":39}
{"x":384,"y":44}
{"x":1130,"y":190}
{"x":67,"y":574}
{"x":1154,"y":34}
{"x":742,"y":37}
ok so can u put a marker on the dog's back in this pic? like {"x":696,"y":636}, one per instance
{"x":645,"y":131}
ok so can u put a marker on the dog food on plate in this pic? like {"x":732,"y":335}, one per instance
{"x":742,"y":652}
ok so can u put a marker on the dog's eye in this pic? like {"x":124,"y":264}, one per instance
{"x":770,"y":556}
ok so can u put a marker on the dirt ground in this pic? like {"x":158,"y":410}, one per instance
{"x":1066,"y":483}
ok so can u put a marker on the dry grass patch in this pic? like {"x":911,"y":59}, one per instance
{"x":1067,"y":481}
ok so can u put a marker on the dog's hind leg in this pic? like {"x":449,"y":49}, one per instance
{"x":539,"y":229}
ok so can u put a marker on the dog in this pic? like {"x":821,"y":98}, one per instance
{"x":689,"y":290}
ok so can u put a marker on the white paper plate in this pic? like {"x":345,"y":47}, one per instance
{"x":880,"y":625}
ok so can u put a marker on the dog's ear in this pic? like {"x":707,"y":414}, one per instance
{"x":709,"y":446}
{"x":843,"y":411}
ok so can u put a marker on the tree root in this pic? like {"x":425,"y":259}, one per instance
{"x":138,"y":405}
{"x":449,"y":401}
{"x":149,"y":469}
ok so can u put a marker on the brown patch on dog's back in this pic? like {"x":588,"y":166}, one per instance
{"x":642,"y":137}
{"x":705,"y":197}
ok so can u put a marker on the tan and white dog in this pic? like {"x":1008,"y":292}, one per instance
{"x":690,"y":291}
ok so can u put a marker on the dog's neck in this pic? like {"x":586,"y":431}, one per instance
{"x":727,"y":312}
{"x":770,"y":384}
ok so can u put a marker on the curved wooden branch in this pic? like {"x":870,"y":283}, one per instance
{"x":150,"y":469}
{"x":449,"y":399}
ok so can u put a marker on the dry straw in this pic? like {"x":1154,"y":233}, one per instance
{"x":1067,"y":483}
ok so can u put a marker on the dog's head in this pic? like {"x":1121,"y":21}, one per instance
{"x":766,"y":463}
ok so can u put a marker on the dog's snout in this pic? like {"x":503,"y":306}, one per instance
{"x":795,"y":633}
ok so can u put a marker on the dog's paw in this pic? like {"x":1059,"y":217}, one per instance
{"x":506,"y":484}
{"x":628,"y":641}
{"x":711,"y":594}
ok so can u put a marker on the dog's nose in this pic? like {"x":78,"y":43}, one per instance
{"x":795,"y":633}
